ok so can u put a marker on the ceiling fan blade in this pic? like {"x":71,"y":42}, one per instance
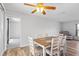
{"x":34,"y":11}
{"x":30,"y":4}
{"x":50,"y":7}
{"x":43,"y":12}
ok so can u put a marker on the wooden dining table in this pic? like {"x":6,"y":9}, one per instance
{"x":44,"y":43}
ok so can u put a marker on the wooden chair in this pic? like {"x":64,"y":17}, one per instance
{"x":34,"y":50}
{"x":54,"y":49}
{"x":62,"y":44}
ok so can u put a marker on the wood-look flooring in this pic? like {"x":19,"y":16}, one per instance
{"x":72,"y":48}
{"x":17,"y":52}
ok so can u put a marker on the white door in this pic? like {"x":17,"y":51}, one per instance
{"x":14,"y":32}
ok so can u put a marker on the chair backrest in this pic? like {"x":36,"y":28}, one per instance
{"x":31,"y":45}
{"x":62,"y":45}
{"x":63,"y":41}
{"x":55,"y":46}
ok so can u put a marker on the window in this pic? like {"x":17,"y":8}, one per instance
{"x":77,"y":29}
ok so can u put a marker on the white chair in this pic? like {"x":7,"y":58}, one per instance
{"x":62,"y":45}
{"x":34,"y":51}
{"x":54,"y":49}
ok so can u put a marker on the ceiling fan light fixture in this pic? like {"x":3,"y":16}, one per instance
{"x":34,"y":11}
{"x":43,"y":12}
{"x":42,"y":9}
{"x":38,"y":9}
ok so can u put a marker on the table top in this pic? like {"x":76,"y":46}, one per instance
{"x":43,"y":42}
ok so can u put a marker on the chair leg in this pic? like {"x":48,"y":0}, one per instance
{"x":44,"y":52}
{"x":63,"y":53}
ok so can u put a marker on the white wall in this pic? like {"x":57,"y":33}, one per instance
{"x":2,"y":30}
{"x":70,"y":26}
{"x":35,"y":25}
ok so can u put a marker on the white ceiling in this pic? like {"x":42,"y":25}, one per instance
{"x":64,"y":11}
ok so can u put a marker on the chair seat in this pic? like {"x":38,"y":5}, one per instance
{"x":62,"y":48}
{"x":38,"y":51}
{"x":48,"y":51}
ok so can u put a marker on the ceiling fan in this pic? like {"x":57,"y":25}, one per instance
{"x":41,"y":7}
